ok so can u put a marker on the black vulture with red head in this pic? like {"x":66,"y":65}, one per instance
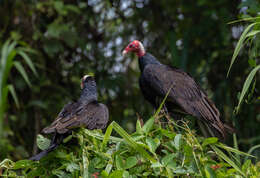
{"x":185,"y":95}
{"x":86,"y":112}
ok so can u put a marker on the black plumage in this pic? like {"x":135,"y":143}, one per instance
{"x":185,"y":94}
{"x":86,"y":112}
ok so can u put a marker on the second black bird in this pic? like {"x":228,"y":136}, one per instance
{"x":86,"y":112}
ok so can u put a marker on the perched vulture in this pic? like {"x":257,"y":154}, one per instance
{"x":86,"y":112}
{"x":185,"y":95}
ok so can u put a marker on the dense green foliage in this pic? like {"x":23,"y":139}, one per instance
{"x":71,"y":38}
{"x":151,"y":151}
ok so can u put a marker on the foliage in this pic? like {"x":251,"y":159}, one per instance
{"x":249,"y":36}
{"x":9,"y":59}
{"x":73,"y":38}
{"x":150,"y":151}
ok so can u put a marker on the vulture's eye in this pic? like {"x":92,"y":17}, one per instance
{"x":131,"y":46}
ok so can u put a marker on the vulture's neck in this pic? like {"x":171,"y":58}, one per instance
{"x":147,"y":59}
{"x":89,"y":93}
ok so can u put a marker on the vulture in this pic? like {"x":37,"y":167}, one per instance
{"x":86,"y":112}
{"x":185,"y":95}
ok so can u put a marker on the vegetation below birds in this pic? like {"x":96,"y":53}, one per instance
{"x":151,"y":151}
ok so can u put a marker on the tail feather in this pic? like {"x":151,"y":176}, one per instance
{"x":211,"y":116}
{"x":44,"y":152}
{"x":48,"y":130}
{"x":56,"y":141}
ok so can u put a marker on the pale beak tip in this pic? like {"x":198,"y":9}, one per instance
{"x":124,"y":52}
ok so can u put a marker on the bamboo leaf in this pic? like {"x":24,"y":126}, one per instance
{"x":20,"y":68}
{"x":28,"y":61}
{"x":13,"y":93}
{"x":107,"y":135}
{"x":131,"y":142}
{"x":233,"y":150}
{"x":246,"y":86}
{"x":227,"y":159}
{"x":252,"y":33}
{"x":240,"y":44}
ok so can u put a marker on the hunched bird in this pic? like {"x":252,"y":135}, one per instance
{"x":185,"y":95}
{"x":86,"y":112}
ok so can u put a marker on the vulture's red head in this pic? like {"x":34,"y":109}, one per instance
{"x":135,"y":47}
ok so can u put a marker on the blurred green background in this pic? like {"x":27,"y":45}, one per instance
{"x":52,"y":43}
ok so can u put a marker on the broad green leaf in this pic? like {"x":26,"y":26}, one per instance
{"x":20,"y":68}
{"x":42,"y":142}
{"x":13,"y":93}
{"x":152,"y":144}
{"x":71,"y":167}
{"x":210,"y":140}
{"x":130,"y":162}
{"x":98,"y":162}
{"x":23,"y":164}
{"x":148,"y":125}
{"x":119,"y":162}
{"x":240,"y":44}
{"x":177,"y":141}
{"x":246,"y":86}
{"x":116,"y":174}
{"x":166,"y":159}
{"x":156,"y":164}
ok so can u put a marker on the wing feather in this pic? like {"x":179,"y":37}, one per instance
{"x":185,"y":92}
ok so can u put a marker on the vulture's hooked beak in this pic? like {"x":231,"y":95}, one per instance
{"x":124,"y":52}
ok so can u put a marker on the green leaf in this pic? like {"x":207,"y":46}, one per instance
{"x":166,"y":159}
{"x":42,"y":142}
{"x":246,"y":166}
{"x":152,"y":144}
{"x":106,"y":136}
{"x":20,"y":68}
{"x":13,"y":93}
{"x":210,"y":140}
{"x":130,"y":162}
{"x":233,"y":150}
{"x":227,"y":159}
{"x":119,"y":162}
{"x":209,"y":172}
{"x":252,"y":33}
{"x":148,"y":125}
{"x":156,"y":164}
{"x":116,"y":174}
{"x":7,"y":163}
{"x":246,"y":86}
{"x":177,"y":141}
{"x":71,"y":167}
{"x":252,"y":62}
{"x":23,"y":164}
{"x":131,"y":141}
{"x":240,"y":44}
{"x":138,"y":127}
{"x":28,"y":61}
